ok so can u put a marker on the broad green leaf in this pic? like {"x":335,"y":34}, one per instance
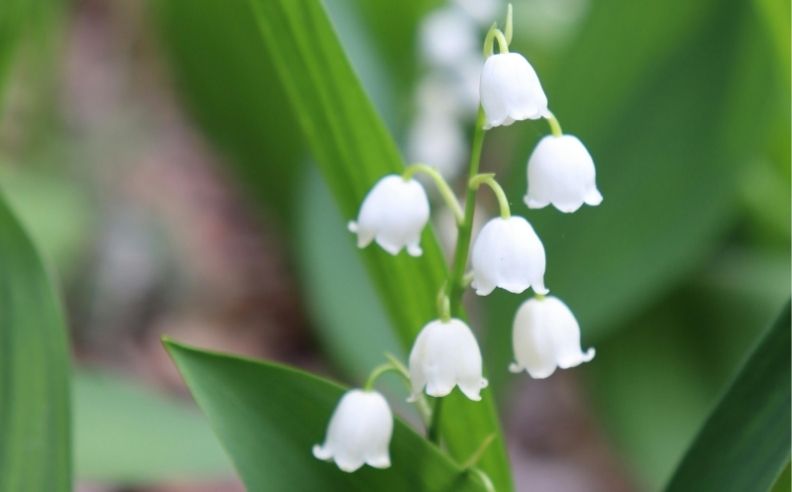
{"x":744,"y":445}
{"x":35,"y":449}
{"x":352,"y":148}
{"x":220,"y":69}
{"x":126,"y":433}
{"x":731,"y":300}
{"x":269,"y":416}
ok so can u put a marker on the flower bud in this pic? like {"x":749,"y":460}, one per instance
{"x":508,"y":254}
{"x":446,"y":354}
{"x":561,"y":172}
{"x":393,"y":213}
{"x":510,"y":90}
{"x":546,"y":335}
{"x":359,"y":432}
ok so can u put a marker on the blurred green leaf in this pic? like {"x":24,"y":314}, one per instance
{"x":354,"y":327}
{"x":269,"y":416}
{"x":53,"y":208}
{"x":353,"y":150}
{"x":216,"y":54}
{"x":783,"y":484}
{"x":35,"y":449}
{"x":126,"y":433}
{"x":744,"y":444}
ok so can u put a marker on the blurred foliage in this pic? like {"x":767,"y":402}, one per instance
{"x":270,"y":442}
{"x":127,"y":434}
{"x":35,"y":414}
{"x":53,"y":208}
{"x":227,"y":81}
{"x":744,"y":444}
{"x":783,"y":484}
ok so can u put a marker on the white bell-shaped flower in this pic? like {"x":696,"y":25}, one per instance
{"x":508,"y":254}
{"x":510,"y":90}
{"x":561,"y":172}
{"x":546,"y":335}
{"x":393,"y":213}
{"x":446,"y":354}
{"x":359,"y":432}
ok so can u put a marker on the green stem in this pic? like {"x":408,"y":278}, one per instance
{"x":489,"y":180}
{"x":485,"y":479}
{"x":476,"y":456}
{"x":509,"y":26}
{"x":555,"y":126}
{"x":442,"y":187}
{"x":443,"y":305}
{"x":493,"y":34}
{"x":376,"y":373}
{"x":456,"y":285}
{"x":433,"y":432}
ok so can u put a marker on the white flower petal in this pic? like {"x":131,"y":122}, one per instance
{"x":510,"y":90}
{"x":393,"y":214}
{"x":508,"y":254}
{"x":561,"y":171}
{"x":359,"y":432}
{"x":546,"y":335}
{"x":444,"y":355}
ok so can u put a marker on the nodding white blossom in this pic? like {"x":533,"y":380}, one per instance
{"x":510,"y":90}
{"x":446,"y":354}
{"x":561,"y":172}
{"x":447,"y":34}
{"x":508,"y":254}
{"x":546,"y":335}
{"x":393,"y":214}
{"x":359,"y":432}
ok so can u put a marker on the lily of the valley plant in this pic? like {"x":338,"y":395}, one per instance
{"x":507,"y":254}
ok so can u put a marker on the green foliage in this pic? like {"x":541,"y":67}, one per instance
{"x":227,"y":81}
{"x":744,"y":445}
{"x":269,"y":416}
{"x":126,"y":433}
{"x":35,"y":449}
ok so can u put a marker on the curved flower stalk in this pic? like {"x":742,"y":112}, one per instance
{"x":561,"y":172}
{"x":359,"y":432}
{"x":508,"y":254}
{"x":446,"y":354}
{"x":393,"y":214}
{"x":546,"y":335}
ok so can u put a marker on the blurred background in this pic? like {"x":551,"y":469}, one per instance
{"x":152,"y":154}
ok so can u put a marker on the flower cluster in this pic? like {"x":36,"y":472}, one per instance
{"x":506,"y":253}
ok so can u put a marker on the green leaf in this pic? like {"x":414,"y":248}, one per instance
{"x":35,"y":453}
{"x":126,"y":433}
{"x":784,"y":482}
{"x":353,"y":326}
{"x":216,"y":57}
{"x":744,"y":445}
{"x":269,"y":416}
{"x":353,"y":150}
